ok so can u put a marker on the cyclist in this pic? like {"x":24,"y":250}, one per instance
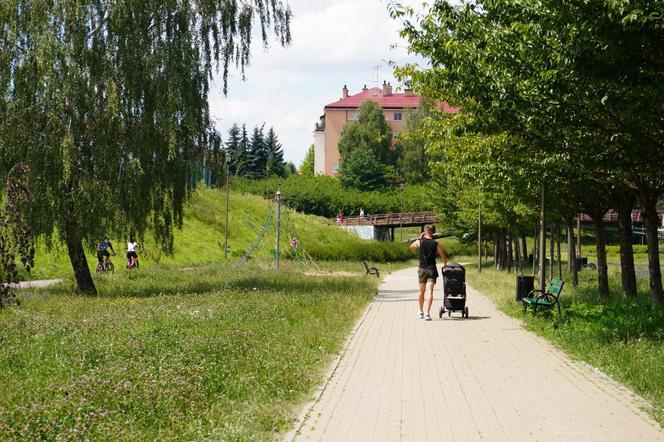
{"x":102,"y":250}
{"x":132,"y":256}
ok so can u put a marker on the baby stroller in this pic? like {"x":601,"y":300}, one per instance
{"x":454,"y":290}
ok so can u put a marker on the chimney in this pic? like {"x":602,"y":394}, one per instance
{"x":365,"y":88}
{"x":344,"y":92}
{"x":408,"y":92}
{"x":387,"y":89}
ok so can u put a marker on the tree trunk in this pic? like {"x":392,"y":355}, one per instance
{"x":479,"y":241}
{"x":535,"y":252}
{"x":78,"y":260}
{"x":517,"y":254}
{"x":627,"y":272}
{"x":542,"y":239}
{"x":524,"y":247}
{"x":652,"y":224}
{"x":552,"y":250}
{"x":570,"y":243}
{"x":578,"y":236}
{"x":572,"y":252}
{"x":560,"y":263}
{"x":496,"y":245}
{"x":600,"y":242}
{"x":508,"y":251}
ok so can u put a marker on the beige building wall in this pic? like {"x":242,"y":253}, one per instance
{"x":336,"y":119}
{"x":319,"y":152}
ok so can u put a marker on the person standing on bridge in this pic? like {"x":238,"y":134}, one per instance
{"x":427,"y":273}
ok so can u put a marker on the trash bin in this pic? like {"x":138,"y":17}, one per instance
{"x":524,"y":285}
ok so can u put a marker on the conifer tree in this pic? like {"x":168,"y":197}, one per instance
{"x":234,"y":153}
{"x":257,"y":158}
{"x":307,"y":166}
{"x":275,"y":155}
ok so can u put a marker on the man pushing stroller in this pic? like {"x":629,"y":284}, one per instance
{"x":427,"y":273}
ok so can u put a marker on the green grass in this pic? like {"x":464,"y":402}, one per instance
{"x":624,"y":338}
{"x":178,"y":354}
{"x":201,"y":240}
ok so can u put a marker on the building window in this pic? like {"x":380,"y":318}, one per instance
{"x":335,"y":168}
{"x":353,"y":116}
{"x":398,"y":116}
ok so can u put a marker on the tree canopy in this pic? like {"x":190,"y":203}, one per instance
{"x":107,"y":103}
{"x":574,"y":87}
{"x":365,"y":149}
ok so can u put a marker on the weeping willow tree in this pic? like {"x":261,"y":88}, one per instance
{"x":106,"y":102}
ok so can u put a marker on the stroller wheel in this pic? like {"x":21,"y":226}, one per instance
{"x":441,"y":311}
{"x":465,"y":312}
{"x":449,"y":313}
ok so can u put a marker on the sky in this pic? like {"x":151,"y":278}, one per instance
{"x":334,"y":43}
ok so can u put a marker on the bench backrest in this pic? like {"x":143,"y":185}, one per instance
{"x":556,"y":286}
{"x":366,"y":267}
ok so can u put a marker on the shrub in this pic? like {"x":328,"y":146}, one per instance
{"x":325,"y":196}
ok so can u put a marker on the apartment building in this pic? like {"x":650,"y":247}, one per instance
{"x":328,"y":130}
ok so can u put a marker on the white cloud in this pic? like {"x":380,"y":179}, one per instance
{"x":334,"y":43}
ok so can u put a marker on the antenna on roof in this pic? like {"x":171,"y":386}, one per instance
{"x":375,"y":76}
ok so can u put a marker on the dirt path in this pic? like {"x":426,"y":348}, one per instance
{"x":483,"y":378}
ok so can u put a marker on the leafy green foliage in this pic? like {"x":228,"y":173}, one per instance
{"x":367,"y":159}
{"x":107,"y":103}
{"x":414,"y":162}
{"x":16,"y":239}
{"x":307,"y":166}
{"x":325,"y":196}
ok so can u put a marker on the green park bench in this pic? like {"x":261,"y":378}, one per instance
{"x":371,"y":270}
{"x":547,"y":298}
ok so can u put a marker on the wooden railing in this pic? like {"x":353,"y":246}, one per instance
{"x":612,"y":217}
{"x":393,"y":219}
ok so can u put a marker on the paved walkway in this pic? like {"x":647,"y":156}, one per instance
{"x":483,"y":378}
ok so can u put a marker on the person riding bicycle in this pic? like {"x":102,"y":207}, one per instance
{"x":132,"y":256}
{"x":102,"y":250}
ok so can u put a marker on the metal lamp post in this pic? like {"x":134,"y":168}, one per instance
{"x":278,"y":197}
{"x":401,"y":212}
{"x":226,"y":225}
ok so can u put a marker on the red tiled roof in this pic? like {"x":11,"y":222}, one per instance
{"x":392,"y":101}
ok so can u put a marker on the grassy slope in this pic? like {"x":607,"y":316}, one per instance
{"x":623,"y":338}
{"x":201,"y":239}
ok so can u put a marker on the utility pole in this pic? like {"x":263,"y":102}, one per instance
{"x":401,"y":213}
{"x":578,"y":236}
{"x":227,"y":199}
{"x":278,"y":197}
{"x":542,"y":239}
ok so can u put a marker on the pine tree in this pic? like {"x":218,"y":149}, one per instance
{"x":234,"y":153}
{"x":275,"y":155}
{"x":257,"y":157}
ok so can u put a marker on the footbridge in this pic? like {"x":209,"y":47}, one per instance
{"x":382,"y":226}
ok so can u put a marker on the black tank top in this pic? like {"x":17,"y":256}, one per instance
{"x":428,"y":249}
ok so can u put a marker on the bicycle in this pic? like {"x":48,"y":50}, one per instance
{"x":106,"y":266}
{"x":132,"y":262}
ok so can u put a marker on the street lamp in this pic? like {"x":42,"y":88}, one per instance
{"x":278,"y":197}
{"x":401,"y":181}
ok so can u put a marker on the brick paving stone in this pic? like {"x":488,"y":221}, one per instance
{"x":401,"y":378}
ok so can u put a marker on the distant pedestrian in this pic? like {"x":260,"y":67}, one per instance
{"x":427,"y":273}
{"x":293,"y":243}
{"x":361,"y":213}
